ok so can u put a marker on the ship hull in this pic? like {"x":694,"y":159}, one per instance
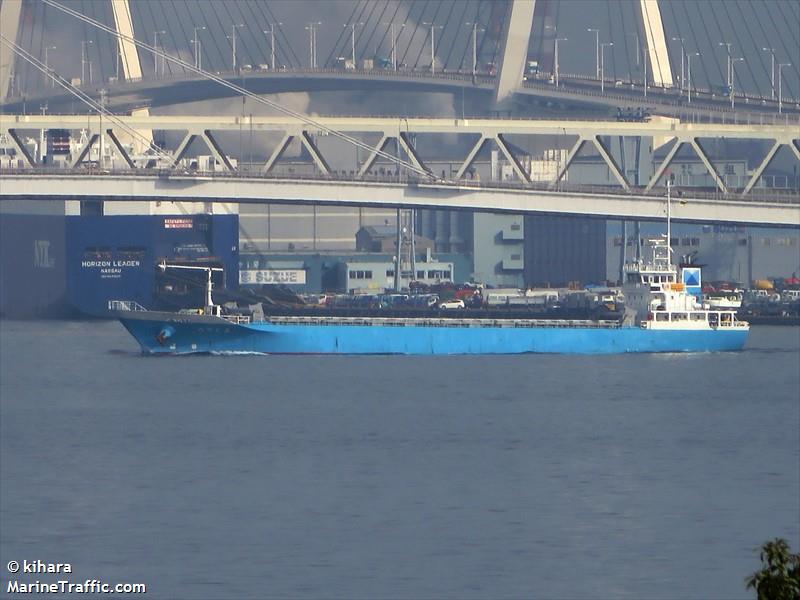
{"x":164,"y":333}
{"x":55,"y":265}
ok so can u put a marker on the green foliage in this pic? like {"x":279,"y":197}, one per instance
{"x":779,"y":577}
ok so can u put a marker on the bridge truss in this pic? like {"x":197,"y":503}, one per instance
{"x":401,"y":133}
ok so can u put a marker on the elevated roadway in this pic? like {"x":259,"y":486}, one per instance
{"x":777,"y":210}
{"x":575,"y":94}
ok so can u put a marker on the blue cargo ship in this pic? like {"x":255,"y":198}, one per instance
{"x":55,"y":264}
{"x":662,"y":314}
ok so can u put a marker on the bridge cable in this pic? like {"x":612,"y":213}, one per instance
{"x":455,"y":37}
{"x":206,"y":54}
{"x":279,"y":33}
{"x":83,"y":96}
{"x":372,"y":34}
{"x":387,"y":32}
{"x":187,"y":35}
{"x":416,"y":28}
{"x":788,"y":53}
{"x":709,"y":55}
{"x":342,"y":32}
{"x":240,"y":90}
{"x":282,"y":46}
{"x":425,"y":43}
{"x":761,"y":57}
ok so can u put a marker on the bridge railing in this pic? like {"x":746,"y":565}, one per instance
{"x":757,"y":194}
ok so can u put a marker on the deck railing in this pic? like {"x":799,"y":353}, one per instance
{"x":125,"y":305}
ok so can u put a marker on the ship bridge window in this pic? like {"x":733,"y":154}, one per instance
{"x":662,"y":316}
{"x":697,"y":316}
{"x":679,"y":316}
{"x":97,"y":253}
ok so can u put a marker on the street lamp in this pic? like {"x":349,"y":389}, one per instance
{"x":84,"y":60}
{"x":271,"y":33}
{"x":232,"y":38}
{"x":602,"y":65}
{"x":733,"y":62}
{"x":772,"y":77}
{"x":597,"y":51}
{"x":555,"y":60}
{"x":394,"y":42}
{"x":155,"y":56}
{"x":312,"y":43}
{"x":780,"y":90}
{"x":683,"y":80}
{"x":689,"y":69}
{"x":728,"y":48}
{"x":475,"y":30}
{"x":46,"y":67}
{"x":433,"y":45}
{"x":197,"y":58}
{"x":352,"y":27}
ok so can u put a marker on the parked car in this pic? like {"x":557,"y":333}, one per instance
{"x":448,"y":304}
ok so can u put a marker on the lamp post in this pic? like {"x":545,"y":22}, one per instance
{"x":772,"y":76}
{"x":197,"y":58}
{"x":394,"y":42}
{"x":597,"y":51}
{"x":433,"y":45}
{"x":733,"y":63}
{"x":683,"y":80}
{"x":475,"y":30}
{"x":689,"y":69}
{"x":555,"y":60}
{"x":645,"y":51}
{"x":602,"y":65}
{"x":84,"y":43}
{"x":233,"y":45}
{"x":352,"y":27}
{"x":780,"y":89}
{"x":271,"y":33}
{"x":46,"y":67}
{"x":728,"y":49}
{"x":312,"y":43}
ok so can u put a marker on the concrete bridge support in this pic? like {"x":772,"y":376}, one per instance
{"x":514,"y":53}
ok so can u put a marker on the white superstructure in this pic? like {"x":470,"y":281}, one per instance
{"x":658,"y":298}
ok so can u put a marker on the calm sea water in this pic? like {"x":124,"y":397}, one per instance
{"x":645,"y":476}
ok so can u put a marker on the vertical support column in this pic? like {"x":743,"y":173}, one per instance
{"x":10,"y":17}
{"x":128,"y":54}
{"x":514,"y":52}
{"x":131,"y":66}
{"x":655,"y":42}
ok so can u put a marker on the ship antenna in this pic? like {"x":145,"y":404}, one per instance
{"x":669,"y":221}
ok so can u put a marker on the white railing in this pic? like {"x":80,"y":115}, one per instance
{"x":237,"y":319}
{"x":125,"y":305}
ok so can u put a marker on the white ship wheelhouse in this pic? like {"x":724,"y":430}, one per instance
{"x":657,"y":298}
